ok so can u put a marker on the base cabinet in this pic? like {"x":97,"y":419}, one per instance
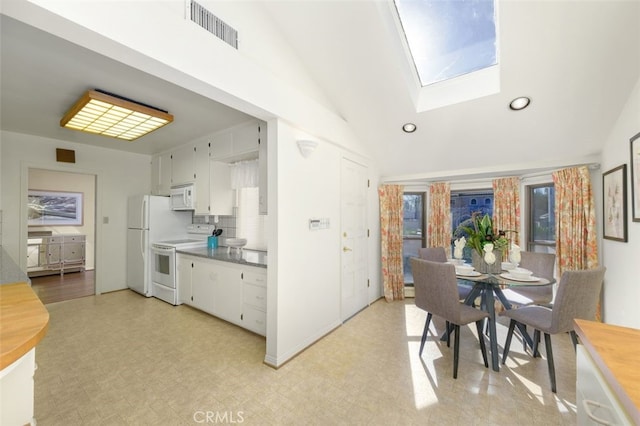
{"x":595,"y":402}
{"x":254,"y":300}
{"x":17,"y":391}
{"x":233,"y":292}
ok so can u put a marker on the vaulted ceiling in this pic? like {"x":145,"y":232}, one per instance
{"x":578,"y":61}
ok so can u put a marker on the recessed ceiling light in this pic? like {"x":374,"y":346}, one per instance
{"x":519,"y":103}
{"x":409,"y":128}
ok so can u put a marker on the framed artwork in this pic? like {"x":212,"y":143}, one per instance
{"x":614,"y":188}
{"x":53,"y":208}
{"x":635,"y":177}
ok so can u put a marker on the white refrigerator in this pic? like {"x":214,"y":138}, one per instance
{"x":149,"y":219}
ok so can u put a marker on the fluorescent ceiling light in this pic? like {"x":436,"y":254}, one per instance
{"x":106,"y":114}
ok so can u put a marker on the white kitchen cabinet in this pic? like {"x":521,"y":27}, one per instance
{"x":183,"y":165}
{"x":254,"y":300}
{"x":194,"y":282}
{"x":202,"y":179}
{"x":227,"y":290}
{"x":245,"y":138}
{"x":161,"y":174}
{"x":596,"y":403}
{"x":202,"y":285}
{"x":221,"y":195}
{"x":222,"y":145}
{"x":230,"y":291}
{"x":237,"y":143}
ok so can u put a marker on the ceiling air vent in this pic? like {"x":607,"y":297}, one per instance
{"x":213,"y":24}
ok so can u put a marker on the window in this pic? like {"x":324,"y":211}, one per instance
{"x":447,"y":39}
{"x":464,"y":204}
{"x":413,"y":233}
{"x":541,"y":232}
{"x":249,"y":223}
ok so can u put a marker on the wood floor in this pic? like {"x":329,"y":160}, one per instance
{"x":56,"y":288}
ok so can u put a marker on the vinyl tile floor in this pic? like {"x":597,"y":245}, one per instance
{"x":122,"y":359}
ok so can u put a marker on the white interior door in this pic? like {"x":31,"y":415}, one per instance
{"x":353,"y":238}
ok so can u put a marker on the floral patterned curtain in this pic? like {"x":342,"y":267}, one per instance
{"x":506,"y":207}
{"x":439,"y":222}
{"x":391,"y":223}
{"x":576,"y":245}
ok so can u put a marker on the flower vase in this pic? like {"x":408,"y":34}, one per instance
{"x":483,"y":267}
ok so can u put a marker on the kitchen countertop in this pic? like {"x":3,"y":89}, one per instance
{"x":10,"y":272}
{"x":243,"y":257}
{"x":616,"y":351}
{"x":23,"y":321}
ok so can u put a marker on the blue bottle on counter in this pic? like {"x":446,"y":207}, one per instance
{"x":212,"y":242}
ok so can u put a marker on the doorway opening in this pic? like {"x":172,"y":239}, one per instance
{"x":61,"y":234}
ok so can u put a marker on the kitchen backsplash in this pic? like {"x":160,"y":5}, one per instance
{"x":226,"y":223}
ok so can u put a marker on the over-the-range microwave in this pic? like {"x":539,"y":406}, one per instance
{"x":183,"y":197}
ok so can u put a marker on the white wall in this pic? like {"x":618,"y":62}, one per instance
{"x":119,"y":175}
{"x":622,"y":287}
{"x":305,"y":304}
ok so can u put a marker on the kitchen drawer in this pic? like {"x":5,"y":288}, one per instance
{"x":73,"y":239}
{"x":255,"y":296}
{"x":255,"y":277}
{"x":254,"y":320}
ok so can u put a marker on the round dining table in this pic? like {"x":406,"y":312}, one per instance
{"x":488,"y":287}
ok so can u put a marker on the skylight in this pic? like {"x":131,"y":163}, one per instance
{"x":448,"y":39}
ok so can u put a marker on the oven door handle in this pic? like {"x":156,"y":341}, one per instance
{"x":162,"y":250}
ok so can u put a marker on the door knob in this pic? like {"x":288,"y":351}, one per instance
{"x":345,"y":249}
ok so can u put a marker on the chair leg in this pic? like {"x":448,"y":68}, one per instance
{"x":447,"y":326}
{"x":507,"y":343}
{"x":574,"y":339}
{"x":483,"y":347}
{"x":552,"y":370}
{"x":456,"y":349}
{"x":536,"y":341}
{"x":424,"y":333}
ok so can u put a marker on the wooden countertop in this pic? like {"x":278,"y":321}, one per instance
{"x":616,"y":352}
{"x":23,"y":321}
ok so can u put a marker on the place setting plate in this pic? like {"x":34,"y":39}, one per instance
{"x":512,"y":278}
{"x":468,"y":274}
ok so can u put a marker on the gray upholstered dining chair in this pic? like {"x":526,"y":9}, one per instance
{"x":577,"y":298}
{"x":542,"y":265}
{"x":436,"y":290}
{"x":438,"y":254}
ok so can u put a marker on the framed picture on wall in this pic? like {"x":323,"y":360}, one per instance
{"x":635,"y":177}
{"x":53,"y":208}
{"x":614,"y":195}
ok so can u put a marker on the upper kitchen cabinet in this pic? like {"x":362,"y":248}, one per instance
{"x":222,"y":196}
{"x":202,"y":179}
{"x":183,"y":165}
{"x":238,"y":143}
{"x":161,"y":174}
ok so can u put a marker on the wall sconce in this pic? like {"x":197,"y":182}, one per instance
{"x":107,"y":114}
{"x":306,"y":147}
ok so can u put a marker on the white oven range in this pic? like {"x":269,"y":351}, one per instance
{"x":164,"y":280}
